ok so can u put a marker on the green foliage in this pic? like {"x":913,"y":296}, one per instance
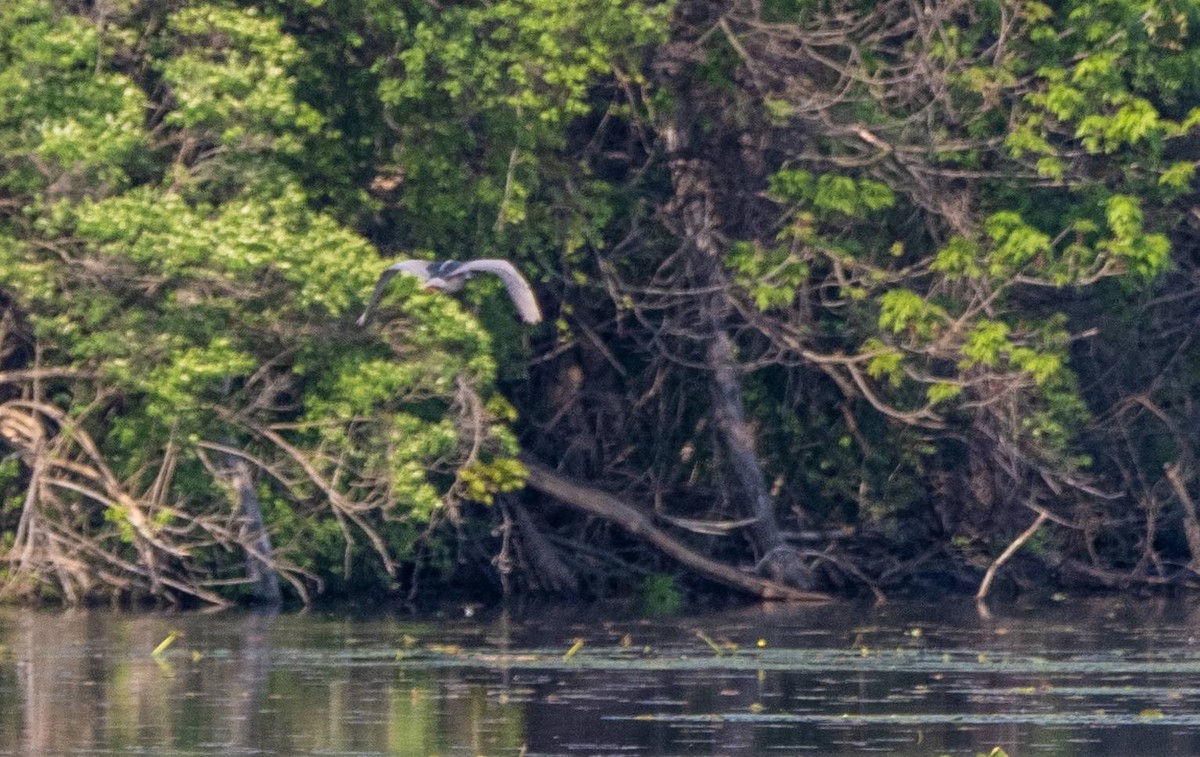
{"x":958,"y":258}
{"x":942,"y":392}
{"x":479,"y":96}
{"x":886,"y":362}
{"x":772,"y":276}
{"x":832,"y":193}
{"x":182,"y":267}
{"x":951,"y":260}
{"x":63,"y":122}
{"x":659,"y":595}
{"x":529,"y":56}
{"x":232,"y":82}
{"x":193,"y":195}
{"x":1112,"y":76}
{"x":985,"y":344}
{"x":1179,"y":175}
{"x":1014,"y":243}
{"x":902,"y":310}
{"x":1144,"y":254}
{"x":483,"y":481}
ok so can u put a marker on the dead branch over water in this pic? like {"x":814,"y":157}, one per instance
{"x":601,"y":504}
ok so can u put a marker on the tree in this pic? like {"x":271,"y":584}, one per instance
{"x":178,"y":308}
{"x":837,"y":290}
{"x":884,"y":232}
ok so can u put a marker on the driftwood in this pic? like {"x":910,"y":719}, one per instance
{"x":604,"y":505}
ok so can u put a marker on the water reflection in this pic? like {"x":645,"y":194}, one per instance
{"x":1078,"y":678}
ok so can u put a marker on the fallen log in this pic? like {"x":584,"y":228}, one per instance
{"x":603,"y":505}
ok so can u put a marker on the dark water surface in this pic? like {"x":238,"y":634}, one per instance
{"x":1073,"y":678}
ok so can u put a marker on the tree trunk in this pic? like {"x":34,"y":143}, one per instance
{"x":693,"y":206}
{"x":726,"y":390}
{"x":258,"y":542}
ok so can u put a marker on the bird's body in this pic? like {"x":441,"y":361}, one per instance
{"x":452,"y":275}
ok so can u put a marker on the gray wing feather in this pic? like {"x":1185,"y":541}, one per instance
{"x":418,"y":268}
{"x":518,"y":288}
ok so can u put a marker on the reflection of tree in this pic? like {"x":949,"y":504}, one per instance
{"x":87,"y":681}
{"x":65,"y":694}
{"x":253,"y":666}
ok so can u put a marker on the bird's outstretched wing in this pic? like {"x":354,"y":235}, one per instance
{"x":418,"y":268}
{"x":518,"y":288}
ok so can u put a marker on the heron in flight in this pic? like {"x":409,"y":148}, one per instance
{"x":451,"y":275}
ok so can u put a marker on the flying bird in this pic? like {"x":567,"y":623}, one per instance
{"x":451,"y":275}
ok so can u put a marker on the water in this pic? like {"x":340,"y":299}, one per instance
{"x":1098,"y":677}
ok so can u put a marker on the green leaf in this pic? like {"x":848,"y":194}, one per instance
{"x":1178,"y":174}
{"x":942,"y":392}
{"x":985,"y":345}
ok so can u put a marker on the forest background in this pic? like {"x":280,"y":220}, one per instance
{"x":842,"y":297}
